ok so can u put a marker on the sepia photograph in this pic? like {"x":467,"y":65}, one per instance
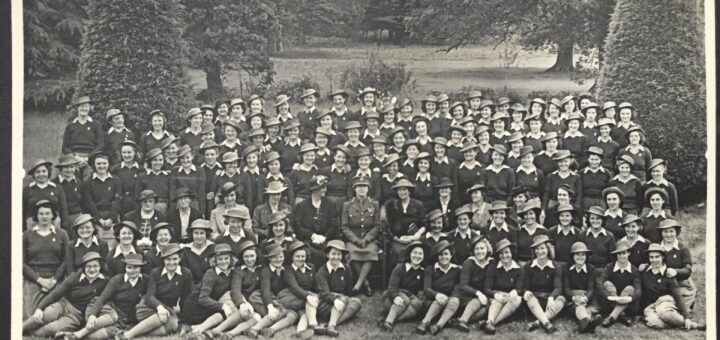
{"x":363,"y":169}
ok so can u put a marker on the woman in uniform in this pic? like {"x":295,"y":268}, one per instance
{"x":678,"y":261}
{"x":629,"y":185}
{"x":238,"y":229}
{"x":503,"y":284}
{"x":41,"y":188}
{"x":579,"y":288}
{"x":619,"y":287}
{"x":402,"y":300}
{"x":158,"y":133}
{"x":598,"y":238}
{"x":102,"y":196}
{"x":499,"y":178}
{"x":543,"y":284}
{"x":471,"y":286}
{"x":335,"y":284}
{"x":383,"y":187}
{"x":439,"y":282}
{"x":84,"y":241}
{"x":196,"y":254}
{"x":161,"y":235}
{"x":273,"y":205}
{"x":126,"y":236}
{"x":404,"y":218}
{"x":155,"y":179}
{"x":303,"y":171}
{"x":219,"y":222}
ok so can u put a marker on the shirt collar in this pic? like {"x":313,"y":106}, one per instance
{"x":290,"y":142}
{"x":301,"y":269}
{"x":513,"y":265}
{"x":654,"y":214}
{"x":535,"y":263}
{"x":161,"y":172}
{"x":638,"y":239}
{"x":95,"y":176}
{"x":429,"y":235}
{"x":366,"y":173}
{"x":216,"y":165}
{"x":62,"y":179}
{"x":218,"y":271}
{"x":279,"y":176}
{"x":119,"y":252}
{"x":618,"y":214}
{"x":467,"y":235}
{"x":357,"y":145}
{"x":423,"y":176}
{"x":599,"y":169}
{"x":528,"y":171}
{"x":323,"y":151}
{"x":36,"y":228}
{"x":503,"y":226}
{"x":465,"y":165}
{"x":668,"y":247}
{"x":189,"y":130}
{"x":113,"y":129}
{"x":276,"y":269}
{"x":367,"y":134}
{"x":192,"y":169}
{"x":438,"y":267}
{"x":538,"y":226}
{"x":582,"y":268}
{"x":254,"y":171}
{"x":491,"y":168}
{"x":606,"y":140}
{"x":661,"y":271}
{"x":627,"y":268}
{"x":83,"y":277}
{"x":560,"y":230}
{"x":602,"y":231}
{"x":662,"y":181}
{"x":339,"y":112}
{"x":47,"y":184}
{"x":93,"y":240}
{"x":227,"y":143}
{"x":387,"y":126}
{"x":134,"y":165}
{"x":334,"y":168}
{"x":630,"y":178}
{"x":331,"y":269}
{"x":77,"y":120}
{"x":133,"y":282}
{"x":586,"y":125}
{"x":442,"y":160}
{"x":178,"y":271}
{"x":409,"y":266}
{"x":252,"y":269}
{"x":242,"y":233}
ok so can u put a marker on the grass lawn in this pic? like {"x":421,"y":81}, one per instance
{"x":46,"y":133}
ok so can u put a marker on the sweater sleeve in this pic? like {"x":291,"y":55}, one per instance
{"x":150,"y":298}
{"x":206,"y":286}
{"x":186,"y":286}
{"x":63,"y":208}
{"x":236,"y":287}
{"x":88,"y":198}
{"x":557,"y":280}
{"x":673,"y":197}
{"x":427,"y":283}
{"x":637,"y":285}
{"x":546,"y":192}
{"x":99,"y":136}
{"x":324,"y":286}
{"x":393,"y":287}
{"x":566,"y":284}
{"x":59,"y":291}
{"x":375,"y":231}
{"x":578,"y":190}
{"x":107,"y":294}
{"x":202,"y":199}
{"x":63,"y":238}
{"x":489,"y":281}
{"x":70,"y":258}
{"x":117,"y":199}
{"x":265,"y":281}
{"x":464,"y":284}
{"x":686,"y":270}
{"x":591,"y":283}
{"x":602,"y":278}
{"x":302,"y":232}
{"x":289,"y":276}
{"x":679,"y":302}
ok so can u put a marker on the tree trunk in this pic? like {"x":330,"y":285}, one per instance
{"x":564,"y":61}
{"x":213,"y":79}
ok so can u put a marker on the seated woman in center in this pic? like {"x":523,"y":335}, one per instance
{"x":439,"y":283}
{"x":402,"y":300}
{"x":471,"y":290}
{"x":543,"y":284}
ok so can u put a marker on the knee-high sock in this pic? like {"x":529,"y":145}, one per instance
{"x":302,"y":323}
{"x":210,"y":322}
{"x":311,"y":314}
{"x":537,"y":310}
{"x":473,"y":306}
{"x":31,"y":324}
{"x":247,"y":324}
{"x":287,"y":321}
{"x":395,"y":311}
{"x":507,"y":310}
{"x":450,"y":310}
{"x":618,"y":309}
{"x":146,"y":326}
{"x":351,"y":309}
{"x":231,"y":321}
{"x":493,"y":310}
{"x":409,"y":313}
{"x":433,"y":311}
{"x":102,"y":334}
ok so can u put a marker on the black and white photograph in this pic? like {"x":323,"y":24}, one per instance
{"x":363,"y":169}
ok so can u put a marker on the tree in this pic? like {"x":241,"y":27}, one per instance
{"x":388,"y":15}
{"x":133,"y":58}
{"x":303,"y":18}
{"x":658,"y":65}
{"x":225,"y":35}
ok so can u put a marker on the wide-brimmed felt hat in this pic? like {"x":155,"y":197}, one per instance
{"x":443,"y":97}
{"x":91,"y":256}
{"x":653,"y":163}
{"x":295,"y":246}
{"x":477,"y":238}
{"x":596,"y":150}
{"x":335,"y":244}
{"x":182,"y":192}
{"x":199,"y":224}
{"x":222,"y":248}
{"x":338,"y":92}
{"x":499,"y":116}
{"x":573,"y":116}
{"x":387,"y":108}
{"x":467,"y":146}
{"x":487,"y":103}
{"x":112,"y":113}
{"x":422,"y":155}
{"x":482,"y":129}
{"x":396,"y":130}
{"x":501,"y":149}
{"x":245,"y":245}
{"x":271,"y":156}
{"x":517,"y":107}
{"x":207,"y":128}
{"x":476,"y":187}
{"x":592,"y":105}
{"x":361,"y":180}
{"x":133,"y":260}
{"x":45,"y":203}
{"x":439,"y":247}
{"x":621,"y":246}
{"x":146,"y":195}
{"x":503,"y":101}
{"x":611,"y":190}
{"x":498,"y":205}
{"x":154,"y":113}
{"x":371,"y":115}
{"x":81,"y":100}
{"x":307,"y":147}
{"x":532,"y":205}
{"x":595,"y":210}
{"x":410,"y":142}
{"x":626,"y":159}
{"x":556,"y":102}
{"x":474,"y":94}
{"x":342,"y":149}
{"x":467,"y":119}
{"x":237,"y":213}
{"x":272,"y":250}
{"x":318,"y":182}
{"x":279,"y":100}
{"x":170,"y":249}
{"x":238,"y":101}
{"x":403,"y":183}
{"x":249,"y":149}
{"x":439,"y":141}
{"x":540,"y":239}
{"x":402,"y":103}
{"x":272,"y":121}
{"x":565,"y":207}
{"x":225,"y":101}
{"x":538,"y":101}
{"x":153,"y":153}
{"x":256,"y":132}
{"x":391,"y":158}
{"x":609,"y":105}
{"x":586,"y":95}
{"x":322,"y":131}
{"x":630,"y":218}
{"x":207,"y":107}
{"x":168,"y":141}
{"x":669,"y":223}
{"x":526,"y":149}
{"x":515,"y":137}
{"x":277,"y":217}
{"x":421,"y":118}
{"x":428,"y":98}
{"x":184,"y":150}
{"x":519,"y":190}
{"x":353,"y":124}
{"x":291,"y":124}
{"x":250,"y":115}
{"x":579,"y":247}
{"x":502,"y":244}
{"x":229,"y":157}
{"x":162,"y":225}
{"x":81,"y":219}
{"x":656,"y":248}
{"x":38,"y":163}
{"x":362,"y":152}
{"x":567,"y":99}
{"x":255,"y":97}
{"x":457,"y":127}
{"x":233,"y":123}
{"x":66,"y":160}
{"x":367,"y":90}
{"x":95,"y":155}
{"x":275,"y":187}
{"x":433,"y":215}
{"x":444,"y":182}
{"x":456,"y":104}
{"x":321,"y":114}
{"x":533,"y":116}
{"x":464,"y":210}
{"x":192,"y":113}
{"x":624,"y":105}
{"x":656,"y":190}
{"x":567,"y":189}
{"x":417,"y":244}
{"x":562,"y":154}
{"x":549,"y":136}
{"x":129,"y":224}
{"x":605,"y":121}
{"x":635,"y":129}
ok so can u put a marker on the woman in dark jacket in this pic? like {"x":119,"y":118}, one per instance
{"x":402,"y":300}
{"x":404,"y":219}
{"x":316,"y":221}
{"x":542,"y":290}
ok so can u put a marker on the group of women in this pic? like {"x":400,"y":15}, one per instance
{"x":250,"y":221}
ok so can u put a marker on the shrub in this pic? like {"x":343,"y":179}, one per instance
{"x":657,"y":65}
{"x":133,"y":58}
{"x":393,"y":78}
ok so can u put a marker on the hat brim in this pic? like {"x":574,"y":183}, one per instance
{"x":176,"y":251}
{"x":137,"y":263}
{"x":536,"y":244}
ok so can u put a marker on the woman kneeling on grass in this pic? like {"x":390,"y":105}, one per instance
{"x":661,"y":295}
{"x":168,"y":286}
{"x":440,"y":280}
{"x":543,"y":284}
{"x":335,"y":284}
{"x":400,"y":299}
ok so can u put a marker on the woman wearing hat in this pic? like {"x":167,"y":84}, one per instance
{"x":372,"y":128}
{"x":589,"y":126}
{"x":638,"y":244}
{"x":469,"y":172}
{"x":360,"y":226}
{"x":274,"y":315}
{"x":457,"y":111}
{"x":404,"y":218}
{"x":594,"y":178}
{"x":219,"y":220}
{"x":257,"y":138}
{"x":656,"y":197}
{"x":566,"y":233}
{"x":517,"y":119}
{"x":619,"y":287}
{"x":657,"y":169}
{"x":516,"y":143}
{"x":102,"y":195}
{"x":435,"y":232}
{"x":279,"y":232}
{"x":473,"y":278}
{"x":316,"y":219}
{"x":233,"y":174}
{"x":574,"y":140}
{"x":609,"y":110}
{"x":474,"y":102}
{"x":528,"y":231}
{"x":191,"y":135}
{"x":170,"y":149}
{"x":425,"y":182}
{"x":83,"y":135}
{"x":411,"y":150}
{"x":84,"y":241}
{"x":273,"y":205}
{"x":211,"y":303}
{"x":326,"y":123}
{"x":67,"y":179}
{"x":484,"y":112}
{"x":397,"y":139}
{"x":127,"y":171}
{"x":443,"y":166}
{"x":183,"y":215}
{"x":462,"y":235}
{"x":605,"y":142}
{"x":114,"y":308}
{"x":545,"y":158}
{"x":563,"y":175}
{"x":569,"y":105}
{"x":455,"y":143}
{"x":161,"y":235}
{"x":302,"y":172}
{"x":440,"y":280}
{"x":156,"y":179}
{"x":542,"y":284}
{"x":519,"y":196}
{"x":336,"y":178}
{"x":272,"y":166}
{"x":282,"y":108}
{"x":167,"y":286}
{"x":126,"y":236}
{"x":678,"y":260}
{"x":366,"y":168}
{"x":117,"y":133}
{"x":528,"y":175}
{"x":626,"y":114}
{"x":222,"y":110}
{"x":391,"y":174}
{"x":353,"y":143}
{"x":190,"y":177}
{"x":301,"y":295}
{"x":499,"y":178}
{"x":535,"y":134}
{"x":444,"y":200}
{"x":662,"y":300}
{"x":309,"y":98}
{"x":368,"y":98}
{"x":503,"y":284}
{"x":274,"y":138}
{"x":212,"y":167}
{"x":640,"y":154}
{"x":598,"y":238}
{"x":145,"y":217}
{"x":496,"y":226}
{"x":44,"y":254}
{"x":471,"y":130}
{"x":158,"y":133}
{"x":500,"y":135}
{"x":196,"y":254}
{"x":323,"y":155}
{"x":239,"y":229}
{"x":231,"y":133}
{"x":553,"y":121}
{"x":402,"y":300}
{"x":41,"y":188}
{"x":629,"y":185}
{"x":244,"y":284}
{"x":63,"y":308}
{"x":339,"y":111}
{"x":335,"y":284}
{"x":579,"y":288}
{"x":421,"y":126}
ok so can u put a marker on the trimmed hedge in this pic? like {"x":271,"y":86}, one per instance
{"x":133,"y":58}
{"x":657,"y":64}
